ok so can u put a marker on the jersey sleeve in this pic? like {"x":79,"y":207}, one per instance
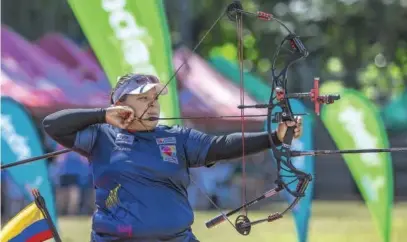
{"x":196,"y":146}
{"x":85,"y":140}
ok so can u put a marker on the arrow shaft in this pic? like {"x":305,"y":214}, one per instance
{"x":209,"y":117}
{"x":350,"y":151}
{"x":217,"y":117}
{"x":45,"y":156}
{"x":294,"y":153}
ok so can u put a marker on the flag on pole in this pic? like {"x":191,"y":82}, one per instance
{"x":32,"y":224}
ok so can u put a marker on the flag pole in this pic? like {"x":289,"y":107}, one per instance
{"x":40,"y":202}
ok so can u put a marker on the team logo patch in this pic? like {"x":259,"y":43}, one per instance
{"x":169,"y":153}
{"x":166,"y":140}
{"x":118,"y":148}
{"x":124,"y":139}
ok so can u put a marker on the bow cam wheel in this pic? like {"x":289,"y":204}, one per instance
{"x":232,"y":9}
{"x":243,"y":225}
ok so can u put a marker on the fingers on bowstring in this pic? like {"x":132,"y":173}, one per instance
{"x":122,"y":124}
{"x":128,"y":121}
{"x":128,"y":117}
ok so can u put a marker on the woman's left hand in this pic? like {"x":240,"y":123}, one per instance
{"x":282,"y":128}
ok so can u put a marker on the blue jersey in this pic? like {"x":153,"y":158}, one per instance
{"x":141,"y":180}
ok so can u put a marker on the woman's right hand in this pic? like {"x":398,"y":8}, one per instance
{"x":119,"y":116}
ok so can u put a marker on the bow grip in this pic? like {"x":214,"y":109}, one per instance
{"x":289,"y":135}
{"x":215,"y":221}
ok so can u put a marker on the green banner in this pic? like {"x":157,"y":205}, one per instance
{"x":355,"y":123}
{"x":130,"y":36}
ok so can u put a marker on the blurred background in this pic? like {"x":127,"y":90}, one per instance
{"x":50,"y":61}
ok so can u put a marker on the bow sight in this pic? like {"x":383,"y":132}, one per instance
{"x":313,"y":95}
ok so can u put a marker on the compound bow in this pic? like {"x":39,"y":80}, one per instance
{"x":279,"y":99}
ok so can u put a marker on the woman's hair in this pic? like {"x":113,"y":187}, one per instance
{"x":120,"y":81}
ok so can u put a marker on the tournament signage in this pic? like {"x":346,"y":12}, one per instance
{"x":20,"y":140}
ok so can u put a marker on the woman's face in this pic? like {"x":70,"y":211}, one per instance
{"x":140,"y":103}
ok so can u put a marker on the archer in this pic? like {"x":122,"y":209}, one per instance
{"x":141,"y":169}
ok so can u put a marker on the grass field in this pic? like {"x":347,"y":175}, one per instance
{"x":330,"y":222}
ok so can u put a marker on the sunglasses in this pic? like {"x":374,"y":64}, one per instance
{"x":145,"y":79}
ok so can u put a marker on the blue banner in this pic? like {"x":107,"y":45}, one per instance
{"x":302,"y":210}
{"x":20,"y":140}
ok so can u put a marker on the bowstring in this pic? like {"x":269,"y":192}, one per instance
{"x":186,"y":60}
{"x":212,"y":202}
{"x":166,"y":85}
{"x":239,"y":23}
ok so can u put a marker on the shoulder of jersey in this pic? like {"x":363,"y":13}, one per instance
{"x":166,"y":127}
{"x":106,"y":127}
{"x":171,"y":129}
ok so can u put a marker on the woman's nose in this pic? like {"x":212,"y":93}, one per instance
{"x":154,"y":102}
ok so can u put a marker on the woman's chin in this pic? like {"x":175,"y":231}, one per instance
{"x":150,"y":124}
